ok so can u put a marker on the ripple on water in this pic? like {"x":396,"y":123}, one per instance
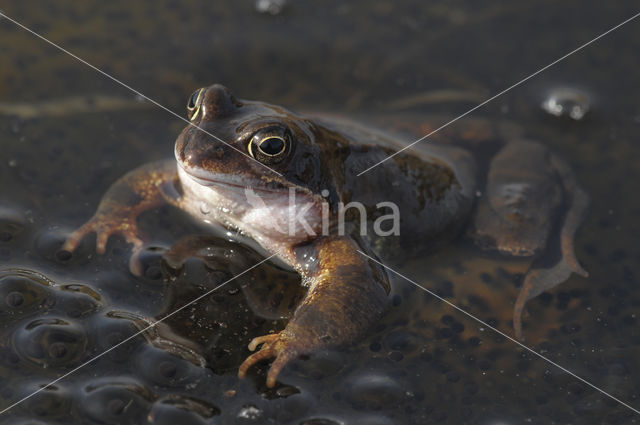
{"x":161,"y":368}
{"x":162,"y":414}
{"x":376,"y":391}
{"x":110,"y":332}
{"x":23,"y":292}
{"x":12,"y":224}
{"x":117,"y":402}
{"x":177,"y":409}
{"x":53,"y":402}
{"x":321,"y":421}
{"x":23,"y":421}
{"x":58,"y":339}
{"x":50,"y":342}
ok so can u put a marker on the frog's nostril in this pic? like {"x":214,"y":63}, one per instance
{"x":218,"y":152}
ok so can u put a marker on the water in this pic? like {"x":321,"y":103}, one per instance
{"x":424,"y":362}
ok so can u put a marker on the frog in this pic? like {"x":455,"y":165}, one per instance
{"x":251,"y":166}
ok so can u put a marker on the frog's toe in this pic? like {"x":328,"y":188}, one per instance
{"x":262,"y":340}
{"x":272,"y":346}
{"x":278,"y":364}
{"x":102,"y":237}
{"x":74,"y":239}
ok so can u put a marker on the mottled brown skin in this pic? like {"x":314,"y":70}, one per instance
{"x":434,"y":185}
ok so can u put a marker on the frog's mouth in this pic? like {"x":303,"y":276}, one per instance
{"x":278,"y":211}
{"x":207,"y":178}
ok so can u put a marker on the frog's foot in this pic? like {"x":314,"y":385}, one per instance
{"x":210,"y":249}
{"x":273,"y":345}
{"x":539,"y":280}
{"x":106,"y":227}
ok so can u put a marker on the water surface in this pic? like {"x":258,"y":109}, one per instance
{"x":66,"y":133}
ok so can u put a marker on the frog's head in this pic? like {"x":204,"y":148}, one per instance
{"x":236,"y":144}
{"x":246,"y":143}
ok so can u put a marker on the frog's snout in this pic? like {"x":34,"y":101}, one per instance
{"x":218,"y":102}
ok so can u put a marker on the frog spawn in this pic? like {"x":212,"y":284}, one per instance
{"x":54,"y":327}
{"x":51,"y":329}
{"x":421,"y":342}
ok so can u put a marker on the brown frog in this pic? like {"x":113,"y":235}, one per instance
{"x":286,"y":181}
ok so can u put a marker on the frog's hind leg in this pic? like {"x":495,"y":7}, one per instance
{"x":540,"y":278}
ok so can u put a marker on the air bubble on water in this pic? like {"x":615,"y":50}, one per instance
{"x":272,"y":7}
{"x":567,"y":102}
{"x":249,"y":412}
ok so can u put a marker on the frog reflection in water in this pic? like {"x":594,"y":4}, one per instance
{"x":531,"y":205}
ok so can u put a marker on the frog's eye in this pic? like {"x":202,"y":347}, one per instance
{"x":269,"y":146}
{"x":193,"y":106}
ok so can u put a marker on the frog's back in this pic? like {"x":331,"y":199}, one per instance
{"x":432,"y":185}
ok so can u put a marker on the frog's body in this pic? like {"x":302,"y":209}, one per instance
{"x":278,"y":154}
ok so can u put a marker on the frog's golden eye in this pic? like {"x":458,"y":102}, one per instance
{"x":269,"y":146}
{"x":194,"y":104}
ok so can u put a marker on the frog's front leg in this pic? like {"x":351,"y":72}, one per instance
{"x":347,"y":293}
{"x":132,"y":194}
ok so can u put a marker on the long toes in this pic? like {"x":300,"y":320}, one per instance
{"x":133,"y":238}
{"x":261,"y":340}
{"x":276,"y":367}
{"x":74,"y":239}
{"x":70,"y":244}
{"x":265,"y":353}
{"x":102,"y":238}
